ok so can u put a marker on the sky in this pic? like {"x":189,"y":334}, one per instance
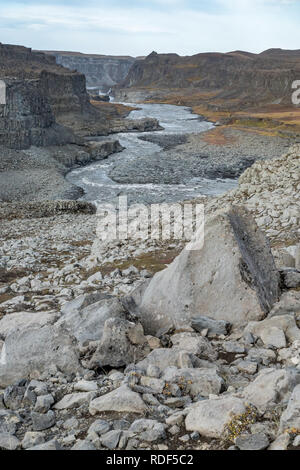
{"x":137,"y":27}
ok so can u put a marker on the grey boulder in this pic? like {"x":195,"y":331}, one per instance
{"x":232,"y":278}
{"x":122,"y":343}
{"x":86,"y":322}
{"x":34,"y":350}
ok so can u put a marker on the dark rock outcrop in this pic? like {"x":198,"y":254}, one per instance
{"x":27,"y":118}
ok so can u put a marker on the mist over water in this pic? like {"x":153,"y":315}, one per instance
{"x":176,"y":120}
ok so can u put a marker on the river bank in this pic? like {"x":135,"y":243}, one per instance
{"x":187,"y":159}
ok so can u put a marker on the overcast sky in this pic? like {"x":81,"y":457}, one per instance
{"x":137,"y":27}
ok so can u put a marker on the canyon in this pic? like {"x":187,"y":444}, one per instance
{"x":238,"y":88}
{"x":101,"y":71}
{"x":150,"y":343}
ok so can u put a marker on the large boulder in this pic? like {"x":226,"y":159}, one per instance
{"x":233,"y":278}
{"x":210,"y":417}
{"x":122,"y":343}
{"x":36,"y":349}
{"x":24,"y":320}
{"x":85,"y":320}
{"x":271,"y":387}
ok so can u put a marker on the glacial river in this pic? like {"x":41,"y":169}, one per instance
{"x":176,"y":120}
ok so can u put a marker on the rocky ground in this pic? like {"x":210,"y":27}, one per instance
{"x":38,"y":173}
{"x":80,"y":369}
{"x":221,"y":153}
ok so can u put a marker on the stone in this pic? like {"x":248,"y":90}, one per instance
{"x":290,"y":418}
{"x":212,"y":326}
{"x":290,"y":278}
{"x":247,"y":367}
{"x":261,"y":356}
{"x":274,"y":337}
{"x":195,"y":381}
{"x":8,"y":442}
{"x":24,"y":320}
{"x":74,"y":400}
{"x":281,"y":442}
{"x":164,"y":358}
{"x":236,"y":263}
{"x":275,"y":330}
{"x":270,"y":387}
{"x":153,"y":342}
{"x":148,"y":430}
{"x":210,"y":417}
{"x":33,"y":350}
{"x":49,"y":445}
{"x":257,"y":441}
{"x":8,"y":421}
{"x":296,"y":441}
{"x":43,"y":403}
{"x":86,"y":320}
{"x":86,"y":386}
{"x":39,"y":388}
{"x":83,"y":445}
{"x":41,"y":422}
{"x":177,"y":402}
{"x":175,"y":419}
{"x":194,"y":344}
{"x":13,"y":397}
{"x":233,"y":347}
{"x":156,"y":385}
{"x":32,"y":439}
{"x":110,"y":440}
{"x":289,"y":304}
{"x":153,"y":371}
{"x":122,"y":343}
{"x":174,"y":430}
{"x":71,"y":423}
{"x":29,"y":399}
{"x":120,"y":400}
{"x":99,"y":427}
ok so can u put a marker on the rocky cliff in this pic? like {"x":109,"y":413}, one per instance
{"x":41,"y":98}
{"x":100,"y":70}
{"x":234,"y":80}
{"x":27,"y":118}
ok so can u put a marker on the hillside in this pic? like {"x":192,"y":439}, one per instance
{"x":222,"y":85}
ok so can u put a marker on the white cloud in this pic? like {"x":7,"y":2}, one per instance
{"x":252,"y":25}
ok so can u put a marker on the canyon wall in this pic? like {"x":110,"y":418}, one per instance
{"x":27,"y":118}
{"x":100,"y":71}
{"x":45,"y":102}
{"x":237,"y":79}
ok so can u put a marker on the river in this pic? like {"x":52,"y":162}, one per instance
{"x":176,"y":120}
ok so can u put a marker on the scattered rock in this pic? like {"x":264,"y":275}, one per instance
{"x":214,"y":327}
{"x":41,"y":422}
{"x":8,"y":442}
{"x":290,"y":418}
{"x":148,"y":430}
{"x":252,"y":442}
{"x":120,"y":400}
{"x":270,"y":387}
{"x":74,"y":400}
{"x":210,"y":417}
